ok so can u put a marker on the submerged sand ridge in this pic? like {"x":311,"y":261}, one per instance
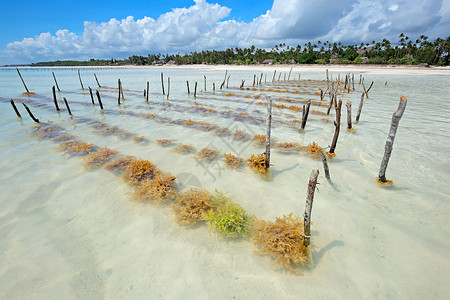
{"x":367,"y":239}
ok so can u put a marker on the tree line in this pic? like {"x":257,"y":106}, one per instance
{"x":405,"y":52}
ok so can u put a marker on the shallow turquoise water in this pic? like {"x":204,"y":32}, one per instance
{"x":67,"y":232}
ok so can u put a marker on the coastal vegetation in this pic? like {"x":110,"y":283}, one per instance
{"x":405,"y":51}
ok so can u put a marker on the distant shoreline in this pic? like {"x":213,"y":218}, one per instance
{"x":363,"y":68}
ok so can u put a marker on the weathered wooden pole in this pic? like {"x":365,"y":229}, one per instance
{"x":390,"y":139}
{"x":290,"y":71}
{"x":162,"y":83}
{"x":254,"y":79}
{"x":223,"y":83}
{"x":168,"y":87}
{"x":273,"y":78}
{"x":118,"y":97}
{"x":337,"y":125}
{"x":228,"y":79}
{"x":269,"y":126}
{"x":148,"y":91}
{"x":328,"y":81}
{"x":97,"y":80}
{"x":308,"y":207}
{"x":242,"y":84}
{"x":121,"y":91}
{"x":214,"y":87}
{"x":368,"y":90}
{"x":67,"y":105}
{"x":30,"y":113}
{"x":279,"y":76}
{"x":92,"y":96}
{"x":349,"y":114}
{"x":79,"y":77}
{"x":331,"y":102}
{"x":15,"y":108}
{"x":321,"y":95}
{"x":54,"y":98}
{"x":358,"y":114}
{"x":99,"y":100}
{"x":353,"y":81}
{"x":56,"y":82}
{"x":325,"y":164}
{"x":260,"y":79}
{"x":195,"y":90}
{"x":187,"y":84}
{"x":23,"y":81}
{"x":204,"y":78}
{"x":305,"y":114}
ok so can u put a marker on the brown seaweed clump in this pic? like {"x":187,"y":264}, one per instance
{"x":288,"y":146}
{"x":191,"y":206}
{"x":98,"y":158}
{"x":140,"y":170}
{"x":313,"y":150}
{"x":140,"y":139}
{"x":233,"y":161}
{"x":76,"y":147}
{"x":259,"y":140}
{"x":120,"y":164}
{"x":241,"y":135}
{"x":161,"y":189}
{"x":222,"y":132}
{"x":165,"y":142}
{"x":257,"y":162}
{"x":207,"y":154}
{"x":184,"y":148}
{"x":283,"y":241}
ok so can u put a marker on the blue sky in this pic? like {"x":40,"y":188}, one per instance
{"x":51,"y":30}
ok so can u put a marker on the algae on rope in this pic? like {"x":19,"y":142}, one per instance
{"x":228,"y":218}
{"x":120,"y":164}
{"x":98,"y":158}
{"x":161,"y":189}
{"x":191,"y":205}
{"x":233,"y":161}
{"x":140,"y":170}
{"x":283,"y":241}
{"x":207,"y":154}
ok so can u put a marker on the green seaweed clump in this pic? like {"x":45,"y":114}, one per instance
{"x":98,"y":158}
{"x":161,"y":189}
{"x":283,"y":241}
{"x":229,"y":218}
{"x":140,"y":170}
{"x":190,"y":206}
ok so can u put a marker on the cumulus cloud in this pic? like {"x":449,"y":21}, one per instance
{"x":205,"y":26}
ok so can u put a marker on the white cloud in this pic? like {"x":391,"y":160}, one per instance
{"x":203,"y":26}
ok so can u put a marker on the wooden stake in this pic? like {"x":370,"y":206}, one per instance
{"x":162,"y":83}
{"x":228,"y":79}
{"x":99,"y":100}
{"x":279,"y":76}
{"x":308,"y":207}
{"x":269,"y":125}
{"x":28,"y":92}
{"x":305,"y":114}
{"x":353,"y":81}
{"x":15,"y":108}
{"x":79,"y":77}
{"x":31,"y":114}
{"x":290,"y":73}
{"x":118,"y":97}
{"x":121,"y":91}
{"x":337,"y":125}
{"x":360,"y":107}
{"x":254,"y":79}
{"x":273,"y":78}
{"x":97,"y":81}
{"x":92,"y":96}
{"x":349,"y":114}
{"x":223,"y":83}
{"x":54,"y":77}
{"x":331,"y":102}
{"x":187,"y":84}
{"x":67,"y":105}
{"x":328,"y":81}
{"x":54,"y":98}
{"x":204,"y":78}
{"x":168,"y":87}
{"x":214,"y":87}
{"x":148,"y":91}
{"x":195,"y":90}
{"x":242,"y":84}
{"x":260,"y":79}
{"x":325,"y":164}
{"x":390,"y":139}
